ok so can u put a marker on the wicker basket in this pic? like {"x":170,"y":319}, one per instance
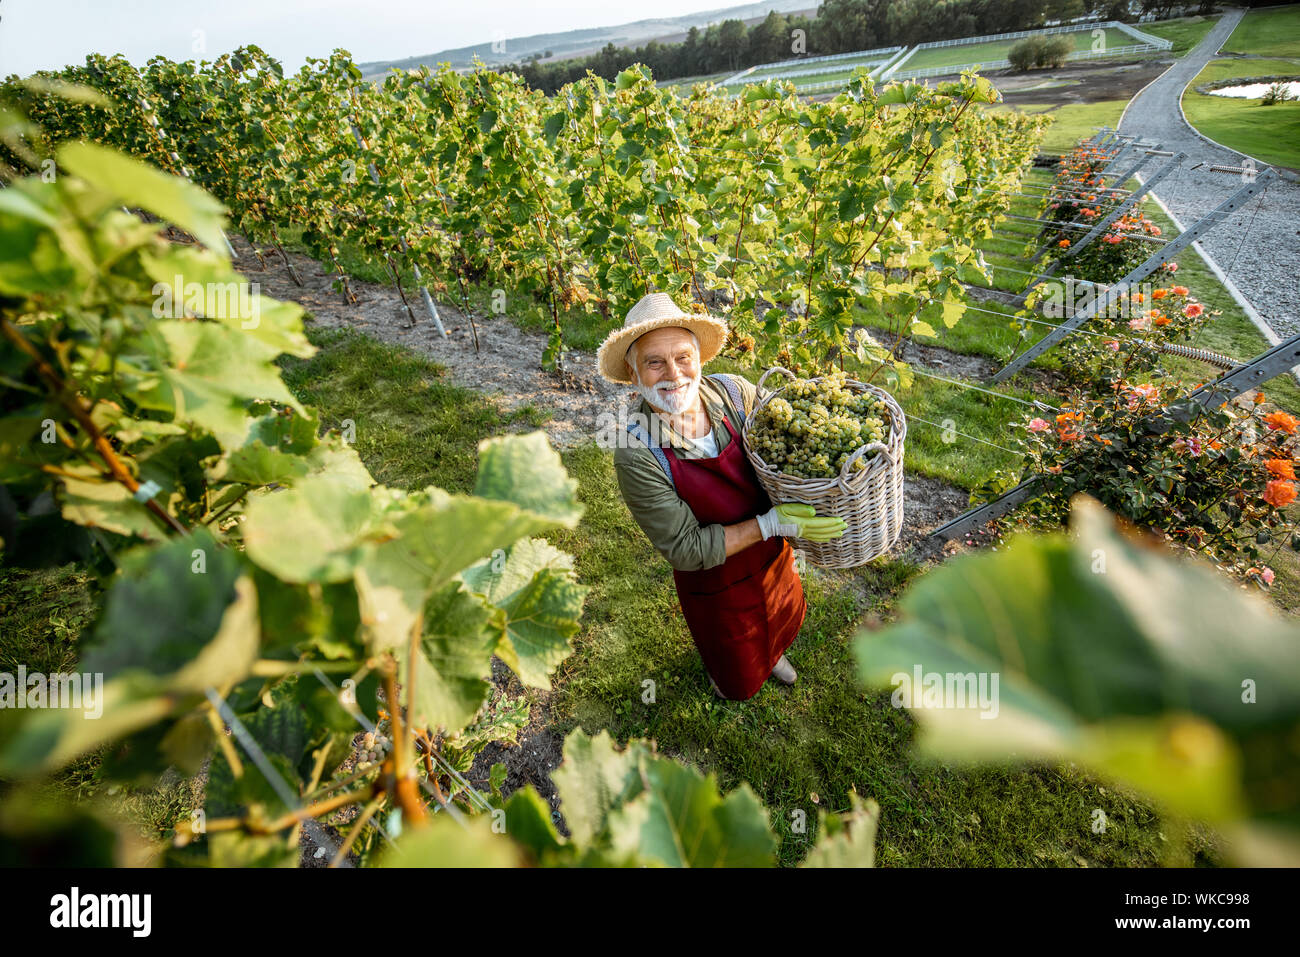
{"x":870,"y":501}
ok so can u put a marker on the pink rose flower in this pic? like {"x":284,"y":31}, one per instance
{"x":1038,"y":425}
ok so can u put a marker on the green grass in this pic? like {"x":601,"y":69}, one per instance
{"x":1271,"y":32}
{"x":1185,"y":32}
{"x":998,"y":49}
{"x":845,"y":66}
{"x":1268,"y":133}
{"x":411,"y":425}
{"x":1072,"y":122}
{"x":682,"y":85}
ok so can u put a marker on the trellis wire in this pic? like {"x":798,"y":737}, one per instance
{"x":1032,"y":403}
{"x":966,"y":435}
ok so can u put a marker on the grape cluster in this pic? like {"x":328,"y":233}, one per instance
{"x":814,"y":425}
{"x":374,"y":746}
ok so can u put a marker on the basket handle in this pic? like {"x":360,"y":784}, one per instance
{"x":763,"y":378}
{"x":880,"y":447}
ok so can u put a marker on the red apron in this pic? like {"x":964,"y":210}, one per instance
{"x":744,"y":613}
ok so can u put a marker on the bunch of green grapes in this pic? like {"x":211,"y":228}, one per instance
{"x":812,"y":427}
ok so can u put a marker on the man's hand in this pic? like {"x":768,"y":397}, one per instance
{"x":796,"y":520}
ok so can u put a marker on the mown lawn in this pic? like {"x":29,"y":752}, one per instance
{"x":1268,"y":133}
{"x":1185,"y":32}
{"x":1268,"y":32}
{"x":1072,"y":122}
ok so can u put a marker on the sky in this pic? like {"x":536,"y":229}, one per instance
{"x":50,"y":34}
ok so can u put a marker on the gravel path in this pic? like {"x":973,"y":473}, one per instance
{"x":1258,"y":247}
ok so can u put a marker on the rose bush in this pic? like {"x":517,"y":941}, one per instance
{"x":1217,"y":484}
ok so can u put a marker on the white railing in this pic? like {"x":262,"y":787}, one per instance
{"x":1019,"y":34}
{"x":1003,"y":64}
{"x":736,"y":79}
{"x":881,"y":52}
{"x":791,"y":74}
{"x":892,"y":66}
{"x":1141,"y":37}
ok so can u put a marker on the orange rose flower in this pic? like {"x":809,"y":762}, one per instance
{"x":1282,"y":468}
{"x":1279,"y":493}
{"x":1181,"y":290}
{"x":1193,"y":309}
{"x":1065,"y":428}
{"x":1064,"y":244}
{"x":1281,"y":422}
{"x":1159,"y":293}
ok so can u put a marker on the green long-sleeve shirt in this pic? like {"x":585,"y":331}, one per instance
{"x":666,"y":520}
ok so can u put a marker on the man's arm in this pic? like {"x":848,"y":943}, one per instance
{"x":740,"y":536}
{"x":669,"y":522}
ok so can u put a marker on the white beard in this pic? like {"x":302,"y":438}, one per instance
{"x":673,"y":402}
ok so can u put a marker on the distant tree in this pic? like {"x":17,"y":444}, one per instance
{"x":731,"y":42}
{"x":1118,"y":10}
{"x":769,"y":40}
{"x":1024,"y":55}
{"x":845,"y":25}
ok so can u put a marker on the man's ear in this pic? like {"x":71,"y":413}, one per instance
{"x":631,"y":370}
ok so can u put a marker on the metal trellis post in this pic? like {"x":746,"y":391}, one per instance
{"x":1114,"y":214}
{"x":429,"y":304}
{"x":1158,"y":259}
{"x":1276,"y":361}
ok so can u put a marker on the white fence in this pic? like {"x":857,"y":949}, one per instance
{"x":791,"y":74}
{"x":1003,"y":64}
{"x":1141,"y":37}
{"x":1018,"y":35}
{"x":1147,"y":44}
{"x":882,"y":54}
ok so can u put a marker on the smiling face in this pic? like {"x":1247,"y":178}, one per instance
{"x":665,"y":365}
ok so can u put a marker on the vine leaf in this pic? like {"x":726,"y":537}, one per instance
{"x":682,"y":821}
{"x":446,"y":843}
{"x":167,"y":632}
{"x":170,"y":198}
{"x":538,"y":605}
{"x":1107,"y":652}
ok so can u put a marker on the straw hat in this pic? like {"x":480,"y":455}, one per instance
{"x":656,"y":311}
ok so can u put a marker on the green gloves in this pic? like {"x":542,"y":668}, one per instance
{"x":796,"y":520}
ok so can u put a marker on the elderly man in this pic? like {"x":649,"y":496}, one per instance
{"x":687,"y":482}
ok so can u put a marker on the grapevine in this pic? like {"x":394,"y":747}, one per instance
{"x":789,"y":219}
